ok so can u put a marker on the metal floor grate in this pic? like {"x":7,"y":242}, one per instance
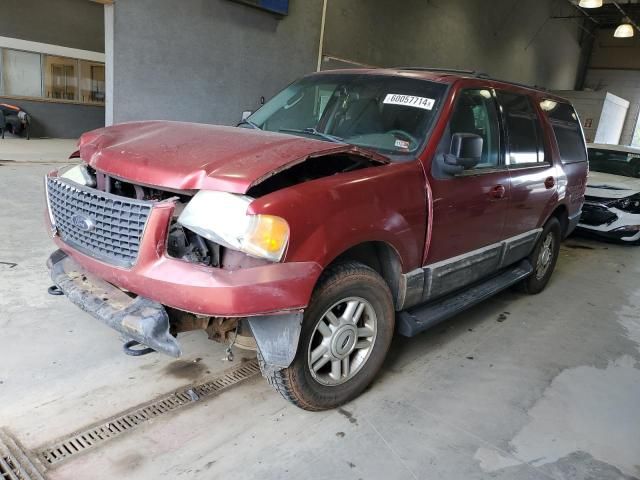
{"x":83,"y":440}
{"x":14,"y":463}
{"x":10,"y":469}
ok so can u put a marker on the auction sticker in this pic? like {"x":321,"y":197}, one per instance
{"x":404,"y":145}
{"x":409,"y":101}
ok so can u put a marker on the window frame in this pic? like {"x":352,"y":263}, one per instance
{"x":3,"y":86}
{"x":540,"y":136}
{"x":502,"y":146}
{"x":42,"y":97}
{"x":553,"y":123}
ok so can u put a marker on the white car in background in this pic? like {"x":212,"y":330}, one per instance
{"x":612,"y":204}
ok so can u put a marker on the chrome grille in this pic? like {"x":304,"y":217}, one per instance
{"x":102,"y":225}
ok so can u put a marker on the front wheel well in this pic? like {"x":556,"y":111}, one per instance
{"x":381,"y":257}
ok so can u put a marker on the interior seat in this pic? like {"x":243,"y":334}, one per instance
{"x":361,"y":117}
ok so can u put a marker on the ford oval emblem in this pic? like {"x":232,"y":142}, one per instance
{"x":83,"y":222}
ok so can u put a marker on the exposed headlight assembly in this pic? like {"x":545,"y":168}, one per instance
{"x":630,"y":204}
{"x":78,"y":174}
{"x":222,"y":218}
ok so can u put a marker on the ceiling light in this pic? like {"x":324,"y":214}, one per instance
{"x":590,"y":3}
{"x":624,"y":30}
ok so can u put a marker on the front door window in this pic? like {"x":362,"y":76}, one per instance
{"x":476,"y":113}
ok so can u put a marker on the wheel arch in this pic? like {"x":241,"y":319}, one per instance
{"x":380,"y":256}
{"x":561,"y":212}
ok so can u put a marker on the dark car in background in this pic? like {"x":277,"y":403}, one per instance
{"x":14,"y":120}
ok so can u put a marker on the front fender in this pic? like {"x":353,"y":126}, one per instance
{"x":329,"y":215}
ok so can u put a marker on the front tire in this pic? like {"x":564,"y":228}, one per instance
{"x":346,"y":333}
{"x":544,"y":257}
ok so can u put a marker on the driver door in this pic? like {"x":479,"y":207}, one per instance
{"x":469,"y":208}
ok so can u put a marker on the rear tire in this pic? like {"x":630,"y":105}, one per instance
{"x":544,"y":257}
{"x":346,"y":333}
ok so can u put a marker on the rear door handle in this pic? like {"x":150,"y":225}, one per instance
{"x":498,"y":191}
{"x":549,"y":182}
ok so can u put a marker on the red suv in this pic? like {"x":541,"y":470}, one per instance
{"x":352,"y":205}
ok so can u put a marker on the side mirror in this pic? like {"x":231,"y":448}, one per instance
{"x":465,"y":153}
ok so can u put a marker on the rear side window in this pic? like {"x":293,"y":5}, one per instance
{"x":524,"y":133}
{"x":566,"y":128}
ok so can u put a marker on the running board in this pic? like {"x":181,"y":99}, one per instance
{"x":419,"y":318}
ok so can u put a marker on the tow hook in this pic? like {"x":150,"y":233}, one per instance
{"x":136,"y":352}
{"x":54,"y":290}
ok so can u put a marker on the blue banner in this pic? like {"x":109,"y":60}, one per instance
{"x":277,"y":6}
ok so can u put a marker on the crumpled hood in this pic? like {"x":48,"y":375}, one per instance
{"x":605,"y":185}
{"x":193,"y":156}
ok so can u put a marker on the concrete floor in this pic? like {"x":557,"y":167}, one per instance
{"x":36,"y":150}
{"x":550,"y":392}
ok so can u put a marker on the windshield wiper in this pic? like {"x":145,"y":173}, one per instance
{"x":250,"y":123}
{"x":314,"y":132}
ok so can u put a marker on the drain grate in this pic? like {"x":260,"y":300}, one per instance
{"x":14,"y":463}
{"x":83,"y":440}
{"x":9,"y":469}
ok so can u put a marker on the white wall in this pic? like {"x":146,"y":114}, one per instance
{"x":615,"y":67}
{"x":589,"y":107}
{"x":108,"y":63}
{"x":614,"y":114}
{"x":625,"y":84}
{"x":601,"y":113}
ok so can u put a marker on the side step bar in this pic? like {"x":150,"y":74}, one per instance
{"x":417,"y":319}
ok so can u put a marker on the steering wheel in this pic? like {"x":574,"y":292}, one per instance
{"x":404,"y":134}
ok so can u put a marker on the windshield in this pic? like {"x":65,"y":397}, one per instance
{"x":385,"y":113}
{"x":626,"y":164}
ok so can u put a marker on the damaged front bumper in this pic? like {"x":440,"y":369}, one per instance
{"x":147,"y":322}
{"x":136,"y":318}
{"x":610,"y":223}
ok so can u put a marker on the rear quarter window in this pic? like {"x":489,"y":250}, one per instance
{"x":566,"y":128}
{"x":524,"y":133}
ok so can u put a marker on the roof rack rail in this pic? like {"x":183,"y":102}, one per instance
{"x":473,"y":73}
{"x":523,"y":85}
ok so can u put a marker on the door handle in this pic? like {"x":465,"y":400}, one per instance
{"x":498,"y":191}
{"x":549,"y":182}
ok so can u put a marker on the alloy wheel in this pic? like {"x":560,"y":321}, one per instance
{"x":342,"y":341}
{"x":545,"y":256}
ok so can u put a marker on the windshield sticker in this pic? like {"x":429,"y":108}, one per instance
{"x":409,"y":101}
{"x":402,"y":144}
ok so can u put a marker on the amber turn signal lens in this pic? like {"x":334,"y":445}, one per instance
{"x":268,"y":237}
